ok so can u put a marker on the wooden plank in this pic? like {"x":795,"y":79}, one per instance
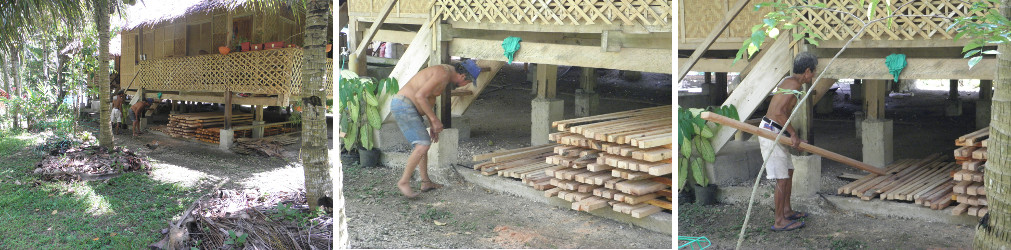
{"x":916,"y":68}
{"x":645,"y":211}
{"x":756,"y":86}
{"x":462,"y":103}
{"x":979,"y":154}
{"x":487,"y":156}
{"x":660,"y":203}
{"x":649,"y":60}
{"x":518,"y":155}
{"x":727,"y":122}
{"x":719,"y":28}
{"x":958,"y":210}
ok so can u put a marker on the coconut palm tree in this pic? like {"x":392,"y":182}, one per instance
{"x":319,"y":185}
{"x":994,"y":230}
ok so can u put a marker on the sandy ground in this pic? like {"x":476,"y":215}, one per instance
{"x":920,"y":128}
{"x":478,"y":218}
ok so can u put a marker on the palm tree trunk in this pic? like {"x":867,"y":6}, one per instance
{"x":61,"y":60}
{"x":7,"y":88}
{"x":315,"y":162}
{"x":102,"y":76}
{"x":994,"y":230}
{"x":16,"y":58}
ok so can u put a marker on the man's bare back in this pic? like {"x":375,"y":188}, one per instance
{"x":431,"y":82}
{"x":118,"y":102}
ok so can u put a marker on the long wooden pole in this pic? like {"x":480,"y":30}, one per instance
{"x":729,"y":17}
{"x":709,"y":116}
{"x":375,"y":26}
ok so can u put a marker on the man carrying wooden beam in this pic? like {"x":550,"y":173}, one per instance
{"x":779,"y":164}
{"x":416,"y":101}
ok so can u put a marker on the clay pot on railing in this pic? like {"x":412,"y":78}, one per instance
{"x":256,"y":47}
{"x":273,"y":45}
{"x":329,"y":47}
{"x":245,"y":46}
{"x":224,"y":50}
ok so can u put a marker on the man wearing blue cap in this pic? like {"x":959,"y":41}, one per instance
{"x":137,"y":112}
{"x":414,"y":103}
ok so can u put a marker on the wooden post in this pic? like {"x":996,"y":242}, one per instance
{"x":258,"y":113}
{"x":588,"y":80}
{"x":440,"y":55}
{"x":985,"y":90}
{"x":547,"y":80}
{"x":228,"y":109}
{"x":383,"y":13}
{"x":874,"y":98}
{"x":356,"y":63}
{"x":953,"y":89}
{"x":720,"y":92}
{"x":804,"y":118}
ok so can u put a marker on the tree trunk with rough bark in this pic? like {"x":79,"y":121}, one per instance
{"x":16,"y":110}
{"x":994,"y":230}
{"x":102,"y":76}
{"x":315,"y":162}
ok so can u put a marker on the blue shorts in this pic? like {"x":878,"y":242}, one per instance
{"x":411,"y":123}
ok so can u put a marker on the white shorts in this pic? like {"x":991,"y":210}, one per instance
{"x":115,"y":115}
{"x":779,"y":163}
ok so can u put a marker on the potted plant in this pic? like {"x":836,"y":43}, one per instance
{"x":255,"y":47}
{"x":273,"y":45}
{"x":358,"y":105}
{"x":694,"y":134}
{"x":239,"y":44}
{"x":224,"y":50}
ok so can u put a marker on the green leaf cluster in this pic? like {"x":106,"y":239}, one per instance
{"x":987,"y":27}
{"x":695,"y":132}
{"x":780,"y":18}
{"x":358,"y":104}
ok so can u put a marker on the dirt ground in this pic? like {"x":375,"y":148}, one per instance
{"x":379,"y":217}
{"x":920,"y":128}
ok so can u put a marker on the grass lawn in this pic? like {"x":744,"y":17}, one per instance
{"x":127,"y":212}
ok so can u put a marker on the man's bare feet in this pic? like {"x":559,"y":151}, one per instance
{"x":405,"y":188}
{"x":429,"y":185}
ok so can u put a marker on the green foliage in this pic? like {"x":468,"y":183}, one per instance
{"x":695,"y":132}
{"x":236,"y":239}
{"x":431,"y":213}
{"x":779,"y":19}
{"x":358,"y":104}
{"x":126,"y":212}
{"x":988,"y":29}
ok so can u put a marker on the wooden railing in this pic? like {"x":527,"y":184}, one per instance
{"x":566,"y":12}
{"x":272,"y":72}
{"x":698,"y":17}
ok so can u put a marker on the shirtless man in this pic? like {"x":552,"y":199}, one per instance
{"x":137,"y":112}
{"x":779,"y":165}
{"x":415,"y":102}
{"x":116,"y":115}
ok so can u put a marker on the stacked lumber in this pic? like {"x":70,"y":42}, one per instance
{"x":924,"y":181}
{"x":186,"y":125}
{"x":969,"y":190}
{"x":619,"y":160}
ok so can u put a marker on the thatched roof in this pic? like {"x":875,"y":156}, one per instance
{"x":149,"y":13}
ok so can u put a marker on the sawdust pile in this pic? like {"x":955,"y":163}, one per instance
{"x":90,"y":163}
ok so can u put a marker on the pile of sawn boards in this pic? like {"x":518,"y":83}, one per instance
{"x":924,"y":181}
{"x":187,"y":125}
{"x":619,"y":160}
{"x":969,"y":190}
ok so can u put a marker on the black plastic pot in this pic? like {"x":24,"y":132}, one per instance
{"x":686,"y":196}
{"x":368,"y":158}
{"x":705,"y":195}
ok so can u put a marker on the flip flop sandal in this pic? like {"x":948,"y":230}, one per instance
{"x":797,"y":216}
{"x":787,"y":227}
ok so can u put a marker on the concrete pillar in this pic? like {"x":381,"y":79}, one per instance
{"x":143,"y":123}
{"x":737,"y":161}
{"x":984,"y":103}
{"x":462,"y":124}
{"x":225,"y":142}
{"x":954,"y":107}
{"x":258,"y":131}
{"x":442,"y":155}
{"x":586,"y":103}
{"x":806,"y":175}
{"x":389,"y":137}
{"x":877,"y":142}
{"x":543,"y":113}
{"x":356,"y":63}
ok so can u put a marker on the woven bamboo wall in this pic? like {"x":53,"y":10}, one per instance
{"x":272,"y":72}
{"x":414,"y":8}
{"x":698,"y":17}
{"x":634,"y":12}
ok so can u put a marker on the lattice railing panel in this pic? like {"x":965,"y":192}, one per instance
{"x":272,"y":72}
{"x":911,"y":22}
{"x":558,"y":12}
